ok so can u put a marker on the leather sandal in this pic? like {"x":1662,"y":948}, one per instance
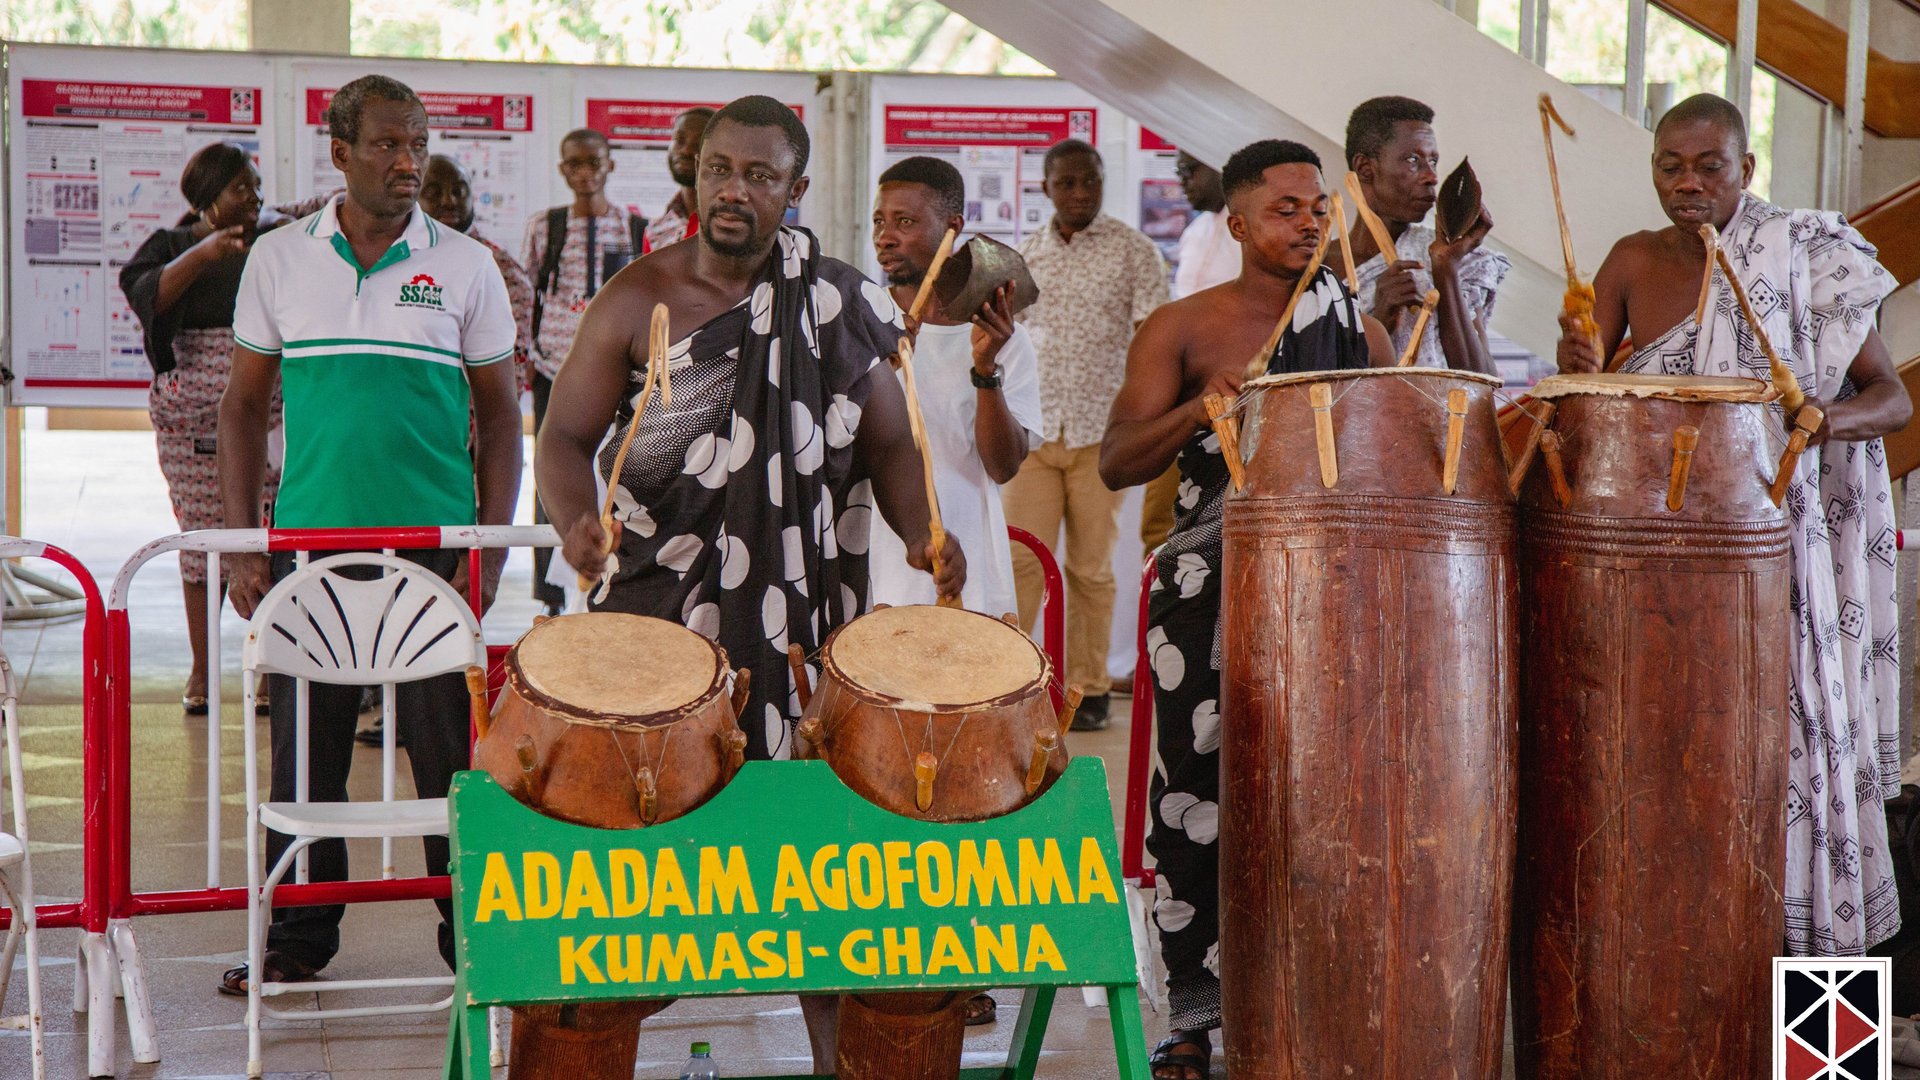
{"x":1164,"y":1064}
{"x":279,"y":966}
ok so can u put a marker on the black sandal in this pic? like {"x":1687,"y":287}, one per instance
{"x":280,"y":968}
{"x":1163,"y":1062}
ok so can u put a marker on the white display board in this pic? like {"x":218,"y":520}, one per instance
{"x":635,"y":111}
{"x":96,"y":145}
{"x":996,"y":131}
{"x":1164,"y":210}
{"x":497,"y":120}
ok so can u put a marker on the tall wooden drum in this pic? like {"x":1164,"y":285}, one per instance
{"x":618,"y":722}
{"x":942,"y":715}
{"x":1653,"y":730}
{"x":1368,"y":712}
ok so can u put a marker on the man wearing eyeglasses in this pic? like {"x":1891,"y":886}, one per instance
{"x":571,"y":251}
{"x":1391,"y":147}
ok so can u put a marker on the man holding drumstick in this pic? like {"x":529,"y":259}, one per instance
{"x":1816,"y":287}
{"x":1277,"y":210}
{"x":742,"y":512}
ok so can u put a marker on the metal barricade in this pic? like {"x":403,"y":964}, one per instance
{"x":1053,"y":611}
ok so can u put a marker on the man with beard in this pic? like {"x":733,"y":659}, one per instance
{"x":744,"y":512}
{"x":1391,"y":148}
{"x":681,"y":219}
{"x":1195,"y":346}
{"x":979,"y":393}
{"x":1825,"y":287}
{"x":570,"y":252}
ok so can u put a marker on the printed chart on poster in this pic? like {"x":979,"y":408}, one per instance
{"x":95,"y":153}
{"x":998,"y":150}
{"x":636,"y":112}
{"x":1164,"y":211}
{"x":475,"y":115}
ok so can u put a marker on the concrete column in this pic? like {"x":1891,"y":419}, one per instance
{"x":1798,"y":152}
{"x":306,"y":26}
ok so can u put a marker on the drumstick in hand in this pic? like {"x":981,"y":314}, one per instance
{"x":656,"y":375}
{"x":1578,"y":301}
{"x":1382,"y":239}
{"x":936,"y":534}
{"x":1711,"y":238}
{"x":1784,"y":380}
{"x":1420,"y":327}
{"x":1258,"y":365}
{"x":1338,"y":209}
{"x":933,"y":271}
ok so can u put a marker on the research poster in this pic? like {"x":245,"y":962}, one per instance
{"x":1164,"y":211}
{"x":485,"y":116}
{"x":95,"y":155}
{"x":998,"y":150}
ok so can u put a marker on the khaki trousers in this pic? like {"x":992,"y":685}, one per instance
{"x":1058,"y":486}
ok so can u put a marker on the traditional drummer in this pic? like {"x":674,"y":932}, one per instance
{"x":1815,"y":286}
{"x":1277,"y":210}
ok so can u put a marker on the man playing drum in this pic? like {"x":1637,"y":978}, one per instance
{"x":1815,"y":286}
{"x":1277,"y":209}
{"x":743,"y":512}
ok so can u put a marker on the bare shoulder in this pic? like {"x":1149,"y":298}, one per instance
{"x":1633,"y":250}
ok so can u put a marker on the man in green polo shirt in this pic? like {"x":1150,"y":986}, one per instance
{"x":381,"y":325}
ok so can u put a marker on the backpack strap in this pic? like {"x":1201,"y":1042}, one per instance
{"x":637,"y":228}
{"x":549,"y":265}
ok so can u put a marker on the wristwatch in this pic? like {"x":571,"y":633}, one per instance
{"x":985,"y":382}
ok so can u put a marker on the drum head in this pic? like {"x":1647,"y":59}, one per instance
{"x":1666,"y":387}
{"x":1343,"y":374}
{"x":608,"y":665}
{"x":934,"y":659}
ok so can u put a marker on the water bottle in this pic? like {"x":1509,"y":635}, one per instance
{"x":700,"y":1066}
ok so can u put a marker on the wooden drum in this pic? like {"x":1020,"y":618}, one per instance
{"x":618,"y":722}
{"x":1654,"y":731}
{"x":943,"y":715}
{"x":1368,"y":711}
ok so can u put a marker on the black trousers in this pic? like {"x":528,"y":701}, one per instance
{"x":542,"y":557}
{"x":433,"y":717}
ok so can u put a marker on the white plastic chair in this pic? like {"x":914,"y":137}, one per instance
{"x":16,"y":881}
{"x":320,"y":625}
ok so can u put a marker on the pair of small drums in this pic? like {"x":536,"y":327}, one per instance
{"x":619,"y":721}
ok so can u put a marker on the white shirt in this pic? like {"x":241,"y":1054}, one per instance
{"x":1208,"y":255}
{"x":969,"y":499}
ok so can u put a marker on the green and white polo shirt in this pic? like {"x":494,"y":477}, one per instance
{"x":373,"y":368}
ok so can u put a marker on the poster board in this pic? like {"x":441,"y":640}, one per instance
{"x":996,"y":131}
{"x":1164,"y":210}
{"x":497,"y":120}
{"x":96,"y":146}
{"x":636,"y":110}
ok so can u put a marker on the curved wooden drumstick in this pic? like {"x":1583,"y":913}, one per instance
{"x":939,"y":263}
{"x":1784,"y":381}
{"x":1258,"y":365}
{"x":936,"y":533}
{"x":1382,"y":239}
{"x":1338,"y":210}
{"x":1710,"y":237}
{"x":657,"y":345}
{"x":1427,"y":303}
{"x":1550,"y":116}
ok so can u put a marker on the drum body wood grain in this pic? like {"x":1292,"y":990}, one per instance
{"x":1653,"y":735}
{"x":614,"y":721}
{"x":899,"y":684}
{"x":1367,"y":785}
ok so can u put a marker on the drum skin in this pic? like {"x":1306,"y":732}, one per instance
{"x":584,"y":763}
{"x":1653,"y":740}
{"x":985,"y":749}
{"x":1367,"y":750}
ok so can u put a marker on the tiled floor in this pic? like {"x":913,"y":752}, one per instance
{"x":99,"y":494}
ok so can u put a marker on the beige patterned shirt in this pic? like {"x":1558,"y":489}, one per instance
{"x":1093,"y":292}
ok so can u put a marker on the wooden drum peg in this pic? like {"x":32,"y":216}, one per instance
{"x":477,"y":692}
{"x":1556,"y":468}
{"x":1321,"y":396}
{"x":530,"y":779}
{"x":925,"y":768}
{"x":1227,"y":430}
{"x":797,"y":660}
{"x":1684,"y":440}
{"x":1068,"y":706}
{"x":646,"y":796}
{"x":1456,"y":437}
{"x":1805,"y":423}
{"x":1044,"y":744}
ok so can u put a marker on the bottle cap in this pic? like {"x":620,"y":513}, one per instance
{"x":702,"y":1048}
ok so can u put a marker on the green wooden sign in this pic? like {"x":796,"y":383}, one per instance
{"x":788,"y":882}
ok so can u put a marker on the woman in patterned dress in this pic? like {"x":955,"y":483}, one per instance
{"x":181,"y":284}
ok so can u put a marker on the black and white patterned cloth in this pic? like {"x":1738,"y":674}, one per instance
{"x":1815,"y":285}
{"x":1183,"y":648}
{"x":744,"y":515}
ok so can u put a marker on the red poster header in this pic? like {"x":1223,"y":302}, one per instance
{"x":965,"y":125}
{"x":1151,"y":140}
{"x":451,"y":111}
{"x":66,"y":99}
{"x":624,"y":120}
